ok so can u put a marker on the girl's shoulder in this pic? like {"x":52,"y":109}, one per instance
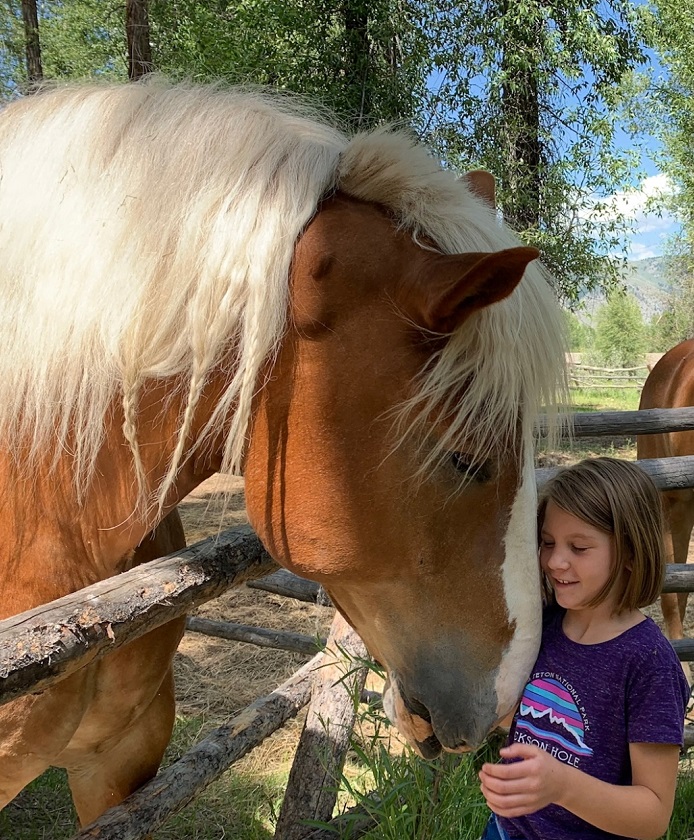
{"x":656,"y":687}
{"x":648,"y":636}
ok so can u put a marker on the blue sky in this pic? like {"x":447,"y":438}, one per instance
{"x":651,"y":229}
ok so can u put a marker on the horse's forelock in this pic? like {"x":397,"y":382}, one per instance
{"x":509,"y":356}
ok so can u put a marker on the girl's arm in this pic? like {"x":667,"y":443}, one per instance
{"x":641,"y":810}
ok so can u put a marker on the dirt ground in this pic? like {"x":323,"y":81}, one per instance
{"x":216,"y":678}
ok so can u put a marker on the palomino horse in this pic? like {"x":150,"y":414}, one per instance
{"x":195,"y":280}
{"x":671,"y":385}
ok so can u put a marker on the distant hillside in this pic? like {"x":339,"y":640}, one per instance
{"x":647,"y":280}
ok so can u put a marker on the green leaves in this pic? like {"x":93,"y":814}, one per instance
{"x":528,"y":89}
{"x":535,"y":86}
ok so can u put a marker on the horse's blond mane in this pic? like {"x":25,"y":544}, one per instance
{"x":167,"y":222}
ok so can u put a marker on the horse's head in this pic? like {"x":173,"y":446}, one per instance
{"x":422,"y":532}
{"x":390,"y":389}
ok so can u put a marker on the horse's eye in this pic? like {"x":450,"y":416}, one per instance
{"x":466,"y":465}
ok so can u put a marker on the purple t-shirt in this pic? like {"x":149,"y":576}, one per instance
{"x":585,"y":704}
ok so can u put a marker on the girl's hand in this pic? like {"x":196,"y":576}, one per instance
{"x":525,"y":786}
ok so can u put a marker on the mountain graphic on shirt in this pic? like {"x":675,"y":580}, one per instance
{"x":547,"y":701}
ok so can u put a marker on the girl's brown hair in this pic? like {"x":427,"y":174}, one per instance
{"x":620,"y":499}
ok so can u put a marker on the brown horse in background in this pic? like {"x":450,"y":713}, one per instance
{"x":671,"y":385}
{"x":197,"y":280}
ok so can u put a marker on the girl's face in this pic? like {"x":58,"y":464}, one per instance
{"x":576,"y":557}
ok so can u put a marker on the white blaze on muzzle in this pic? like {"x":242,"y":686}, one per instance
{"x":521,"y":578}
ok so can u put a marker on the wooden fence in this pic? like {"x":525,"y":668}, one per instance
{"x":587,"y":377}
{"x":46,"y":644}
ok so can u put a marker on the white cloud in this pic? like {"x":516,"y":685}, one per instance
{"x":650,"y":226}
{"x":634,"y":203}
{"x":639,"y":251}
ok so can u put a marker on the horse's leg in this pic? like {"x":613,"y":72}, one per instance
{"x":104,"y":779}
{"x":679,"y":509}
{"x":122,"y":737}
{"x":34,"y":728}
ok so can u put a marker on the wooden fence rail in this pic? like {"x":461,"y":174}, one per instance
{"x":589,"y":377}
{"x":260,"y":636}
{"x":46,"y":644}
{"x":644,"y":422}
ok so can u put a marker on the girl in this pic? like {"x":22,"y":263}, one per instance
{"x":593,"y":747}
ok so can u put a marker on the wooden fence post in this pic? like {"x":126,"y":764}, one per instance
{"x":313,"y":781}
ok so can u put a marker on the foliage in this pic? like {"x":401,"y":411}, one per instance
{"x":363,"y":59}
{"x":676,"y":323}
{"x":12,"y":64}
{"x":620,"y":333}
{"x":528,"y":90}
{"x":79,"y":38}
{"x":665,"y":106}
{"x":581,"y":336}
{"x":536,"y":92}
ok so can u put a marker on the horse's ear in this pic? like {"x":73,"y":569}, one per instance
{"x":451,"y":287}
{"x":482,"y":184}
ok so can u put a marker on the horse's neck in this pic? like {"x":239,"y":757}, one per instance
{"x":56,"y":537}
{"x":121,"y":516}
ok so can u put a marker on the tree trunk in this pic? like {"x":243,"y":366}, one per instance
{"x":520,"y":113}
{"x":137,"y":32}
{"x":357,"y":58}
{"x":33,"y":45}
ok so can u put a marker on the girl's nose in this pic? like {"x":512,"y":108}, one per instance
{"x":557,"y":560}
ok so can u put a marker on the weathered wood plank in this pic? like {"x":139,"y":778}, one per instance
{"x":679,"y":577}
{"x":684,"y":648}
{"x":283,"y":582}
{"x":618,"y":423}
{"x":43,"y":645}
{"x":667,"y":473}
{"x":314,"y":779}
{"x":260,"y":636}
{"x":173,"y":788}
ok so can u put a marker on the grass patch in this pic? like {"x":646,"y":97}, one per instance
{"x":241,"y":805}
{"x":682,"y":822}
{"x":605,"y":399}
{"x":41,"y":811}
{"x":568,"y":451}
{"x":441,"y":799}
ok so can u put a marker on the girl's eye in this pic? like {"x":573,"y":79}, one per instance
{"x":464,"y":464}
{"x":579,"y":548}
{"x":546,"y":544}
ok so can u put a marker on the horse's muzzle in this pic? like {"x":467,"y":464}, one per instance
{"x":416,"y":722}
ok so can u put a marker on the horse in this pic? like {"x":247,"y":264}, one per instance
{"x":670,"y":384}
{"x":197,"y":279}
